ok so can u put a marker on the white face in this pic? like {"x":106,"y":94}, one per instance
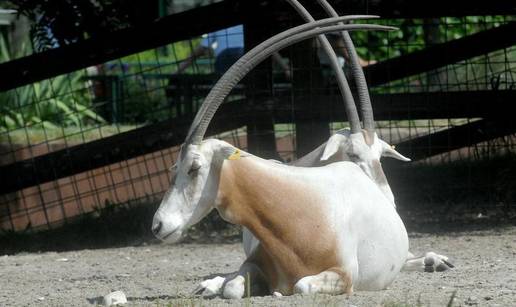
{"x":344,"y":146}
{"x":190,"y":197}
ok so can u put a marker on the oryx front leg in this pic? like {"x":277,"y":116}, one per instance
{"x":237,"y":287}
{"x":332,"y":281}
{"x":430,"y":262}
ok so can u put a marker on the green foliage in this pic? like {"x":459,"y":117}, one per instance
{"x":410,"y":37}
{"x":49,"y":104}
{"x":58,"y":102}
{"x":143,"y":79}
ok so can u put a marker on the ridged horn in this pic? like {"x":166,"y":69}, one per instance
{"x":247,"y":62}
{"x":347,"y":96}
{"x":358,"y":73}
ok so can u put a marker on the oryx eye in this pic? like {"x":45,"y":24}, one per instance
{"x":196,"y":165}
{"x":194,"y":170}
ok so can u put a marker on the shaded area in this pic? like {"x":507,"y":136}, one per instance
{"x":430,"y":199}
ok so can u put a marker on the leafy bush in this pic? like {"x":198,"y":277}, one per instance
{"x":61,"y":101}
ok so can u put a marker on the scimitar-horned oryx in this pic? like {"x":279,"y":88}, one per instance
{"x":361,"y":146}
{"x":357,"y":239}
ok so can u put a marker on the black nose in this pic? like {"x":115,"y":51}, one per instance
{"x":156,"y":228}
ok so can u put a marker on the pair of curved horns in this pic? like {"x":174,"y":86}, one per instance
{"x":259,"y":53}
{"x":347,"y":97}
{"x":358,"y":73}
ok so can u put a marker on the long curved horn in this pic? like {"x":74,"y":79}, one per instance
{"x":239,"y":69}
{"x":349,"y":102}
{"x":358,"y":73}
{"x":253,"y":53}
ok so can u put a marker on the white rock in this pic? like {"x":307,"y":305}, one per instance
{"x":114,"y":298}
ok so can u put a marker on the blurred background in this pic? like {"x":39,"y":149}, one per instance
{"x":96,"y":97}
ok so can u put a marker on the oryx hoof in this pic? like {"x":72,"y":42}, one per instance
{"x":210,"y":287}
{"x":436,"y":263}
{"x":234,"y":288}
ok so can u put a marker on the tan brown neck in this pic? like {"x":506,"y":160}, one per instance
{"x":282,"y":212}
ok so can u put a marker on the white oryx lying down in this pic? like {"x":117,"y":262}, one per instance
{"x":345,"y":210}
{"x":362,"y":147}
{"x":321,"y":229}
{"x":342,"y":147}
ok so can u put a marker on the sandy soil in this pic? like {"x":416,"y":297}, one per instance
{"x":485,"y":274}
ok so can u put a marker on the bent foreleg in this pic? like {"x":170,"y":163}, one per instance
{"x":248,"y":281}
{"x":332,"y":281}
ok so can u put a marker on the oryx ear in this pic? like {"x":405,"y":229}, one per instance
{"x":332,"y":146}
{"x":389,"y":151}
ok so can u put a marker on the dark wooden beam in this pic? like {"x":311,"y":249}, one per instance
{"x":166,"y":30}
{"x":236,"y":114}
{"x":307,"y":84}
{"x":261,"y":137}
{"x":388,"y":9}
{"x":443,"y":54}
{"x":455,"y":138}
{"x":425,"y":9}
{"x":435,"y":105}
{"x":106,"y":151}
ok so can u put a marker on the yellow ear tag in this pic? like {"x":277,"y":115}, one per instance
{"x":235,"y":155}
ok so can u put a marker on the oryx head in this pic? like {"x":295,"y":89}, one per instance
{"x":359,"y":145}
{"x":366,"y":153}
{"x":190,"y":196}
{"x":194,"y":189}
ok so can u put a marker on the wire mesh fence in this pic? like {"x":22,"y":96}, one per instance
{"x":145,"y":89}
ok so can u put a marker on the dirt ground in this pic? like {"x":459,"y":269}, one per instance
{"x":160,"y":274}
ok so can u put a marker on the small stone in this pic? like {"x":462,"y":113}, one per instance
{"x":124,"y":275}
{"x":41,"y":298}
{"x":114,"y":298}
{"x":488,"y":298}
{"x":62,"y":259}
{"x":277,"y":294}
{"x":472,"y":300}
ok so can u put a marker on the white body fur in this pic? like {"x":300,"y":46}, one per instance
{"x":340,"y":147}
